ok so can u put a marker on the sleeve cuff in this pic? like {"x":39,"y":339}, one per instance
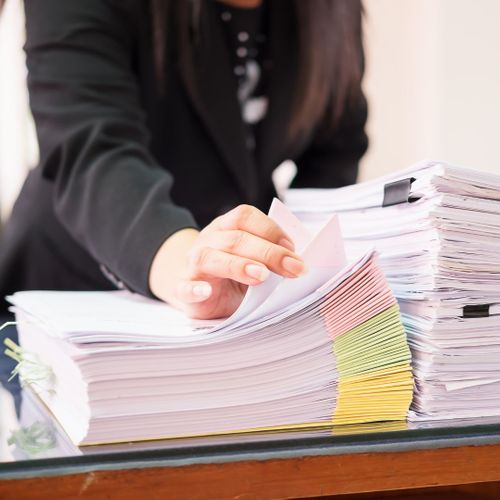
{"x":143,"y":240}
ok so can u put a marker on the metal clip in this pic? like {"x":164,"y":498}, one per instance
{"x":397,"y":192}
{"x":476,"y":311}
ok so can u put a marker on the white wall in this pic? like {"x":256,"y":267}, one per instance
{"x":18,"y":148}
{"x":433,"y":82}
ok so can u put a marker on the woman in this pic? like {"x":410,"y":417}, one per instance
{"x":158,"y":118}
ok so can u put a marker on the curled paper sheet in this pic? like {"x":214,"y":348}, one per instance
{"x":323,"y":253}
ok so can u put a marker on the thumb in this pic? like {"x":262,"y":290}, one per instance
{"x":191,"y":292}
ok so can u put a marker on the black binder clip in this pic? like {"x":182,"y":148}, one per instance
{"x":476,"y":311}
{"x":397,"y":192}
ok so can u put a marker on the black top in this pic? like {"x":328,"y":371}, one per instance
{"x":246,"y":32}
{"x":124,"y":162}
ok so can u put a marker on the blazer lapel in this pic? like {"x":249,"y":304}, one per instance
{"x":209,"y":79}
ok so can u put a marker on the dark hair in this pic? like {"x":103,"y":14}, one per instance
{"x":330,"y":54}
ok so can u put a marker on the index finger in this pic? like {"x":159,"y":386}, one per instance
{"x":252,"y":220}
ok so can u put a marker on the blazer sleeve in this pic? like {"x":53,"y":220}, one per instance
{"x":333,"y":156}
{"x":110,"y":193}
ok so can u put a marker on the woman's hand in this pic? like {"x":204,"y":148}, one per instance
{"x":206,"y":273}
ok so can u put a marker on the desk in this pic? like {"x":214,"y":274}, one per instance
{"x":40,"y":462}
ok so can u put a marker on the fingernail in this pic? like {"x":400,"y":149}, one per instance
{"x":288,"y":244}
{"x":202,"y":290}
{"x":293,"y":266}
{"x":257,"y":272}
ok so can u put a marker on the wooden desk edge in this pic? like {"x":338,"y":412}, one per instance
{"x":298,"y":477}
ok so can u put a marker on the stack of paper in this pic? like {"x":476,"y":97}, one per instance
{"x":35,"y":434}
{"x":326,"y":348}
{"x":437,"y":229}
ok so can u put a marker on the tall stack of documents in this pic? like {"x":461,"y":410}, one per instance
{"x":324,"y":349}
{"x":437,"y":229}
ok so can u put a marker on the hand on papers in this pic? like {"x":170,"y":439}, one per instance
{"x":206,"y":273}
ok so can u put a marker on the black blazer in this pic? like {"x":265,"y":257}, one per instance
{"x":124,"y":164}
